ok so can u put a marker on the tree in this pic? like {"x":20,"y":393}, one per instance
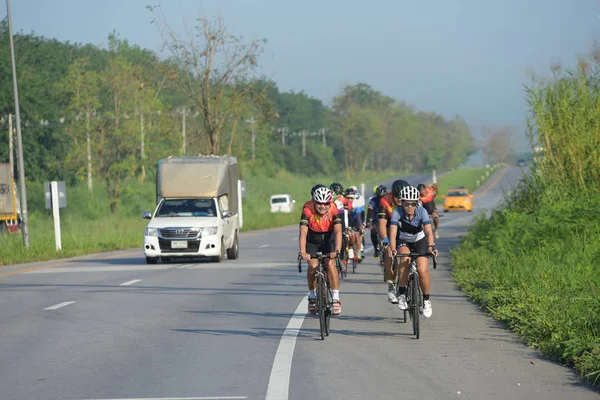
{"x":216,"y":73}
{"x":82,"y":86}
{"x":498,"y":147}
{"x":117,"y":146}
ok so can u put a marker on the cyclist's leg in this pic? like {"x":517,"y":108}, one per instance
{"x":375,"y":240}
{"x":334,"y":280}
{"x":403,"y":248}
{"x":422,"y":247}
{"x":311,"y":276}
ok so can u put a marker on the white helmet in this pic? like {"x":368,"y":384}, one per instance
{"x":323,"y":195}
{"x":410,"y":193}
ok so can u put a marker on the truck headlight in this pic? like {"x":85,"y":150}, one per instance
{"x":151,"y":232}
{"x":210,"y":231}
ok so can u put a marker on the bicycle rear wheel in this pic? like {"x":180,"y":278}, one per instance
{"x":414,"y":306}
{"x":321,"y":304}
{"x":328,"y":311}
{"x":354,"y":265}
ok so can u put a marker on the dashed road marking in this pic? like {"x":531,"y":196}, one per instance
{"x":59,"y":305}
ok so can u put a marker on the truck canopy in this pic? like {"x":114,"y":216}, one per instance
{"x":8,"y":201}
{"x":198,"y":177}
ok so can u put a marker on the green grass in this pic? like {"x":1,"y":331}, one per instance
{"x":87,"y":226}
{"x":471,"y":178}
{"x":534,"y":262}
{"x":537,"y":270}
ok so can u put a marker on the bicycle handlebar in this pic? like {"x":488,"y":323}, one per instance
{"x":415,"y":255}
{"x":320,"y":256}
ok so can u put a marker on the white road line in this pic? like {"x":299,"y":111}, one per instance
{"x":59,"y":305}
{"x":279,"y":381}
{"x":263,"y":246}
{"x":181,"y":398}
{"x":130,"y":282}
{"x":184,"y":266}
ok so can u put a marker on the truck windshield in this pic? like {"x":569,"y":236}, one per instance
{"x":187,"y":208}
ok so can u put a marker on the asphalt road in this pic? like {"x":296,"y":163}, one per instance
{"x":108,"y":326}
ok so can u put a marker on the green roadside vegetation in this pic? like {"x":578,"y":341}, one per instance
{"x":470,"y":177}
{"x":88,"y":226}
{"x":533,"y":263}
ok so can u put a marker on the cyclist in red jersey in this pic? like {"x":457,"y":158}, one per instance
{"x":428,"y":195}
{"x":321,"y":231}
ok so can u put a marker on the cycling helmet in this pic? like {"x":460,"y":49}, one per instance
{"x":375,"y":189}
{"x":353,"y":188}
{"x":312,"y":191}
{"x":350,"y":193}
{"x":323,"y":195}
{"x":410,"y":193}
{"x":337,"y":188}
{"x":421,"y":186}
{"x":381,"y":191}
{"x":397,"y":187}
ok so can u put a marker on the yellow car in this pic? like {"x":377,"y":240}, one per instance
{"x":458,"y":198}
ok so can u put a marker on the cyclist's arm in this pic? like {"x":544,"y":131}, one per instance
{"x":393,"y":232}
{"x":429,"y":234}
{"x":369,"y":215}
{"x":394,"y":229}
{"x":382,"y":227}
{"x":302,"y":238}
{"x":435,"y":189}
{"x":337,"y":231}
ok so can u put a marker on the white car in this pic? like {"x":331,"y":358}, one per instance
{"x":282,"y":203}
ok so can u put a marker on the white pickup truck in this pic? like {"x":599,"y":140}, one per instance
{"x":198,"y":212}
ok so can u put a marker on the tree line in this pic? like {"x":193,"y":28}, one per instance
{"x":109,"y":114}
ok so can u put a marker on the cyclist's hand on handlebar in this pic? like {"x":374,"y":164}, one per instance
{"x":333,"y":255}
{"x":385,"y":241}
{"x":433,"y":251}
{"x":390,"y":251}
{"x":305,"y":256}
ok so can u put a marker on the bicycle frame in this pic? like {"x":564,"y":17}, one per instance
{"x":414,"y":297}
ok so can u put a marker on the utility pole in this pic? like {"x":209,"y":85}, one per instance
{"x":252,"y":121}
{"x":19,"y":139}
{"x":324,"y":137}
{"x":89,"y":150}
{"x":183,"y":132}
{"x":303,"y":133}
{"x":142,"y":152}
{"x":10,"y":147}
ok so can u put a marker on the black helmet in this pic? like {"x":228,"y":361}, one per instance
{"x":337,"y":188}
{"x":421,"y":186}
{"x":381,"y":191}
{"x":312,"y":191}
{"x":397,"y":187}
{"x":350,"y":192}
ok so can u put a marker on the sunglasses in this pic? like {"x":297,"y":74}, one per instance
{"x":409,"y":203}
{"x":323,"y":204}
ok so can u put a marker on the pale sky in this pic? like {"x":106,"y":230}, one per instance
{"x":466,"y":57}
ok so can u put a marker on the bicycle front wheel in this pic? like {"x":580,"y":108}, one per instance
{"x":414,"y":306}
{"x":321,"y":304}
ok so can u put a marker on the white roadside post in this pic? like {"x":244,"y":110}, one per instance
{"x":362,"y":190}
{"x":240,"y":213}
{"x":56,"y":213}
{"x":434,"y":177}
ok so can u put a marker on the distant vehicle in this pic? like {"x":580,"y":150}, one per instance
{"x":458,"y":198}
{"x":282,"y":203}
{"x":522,"y":162}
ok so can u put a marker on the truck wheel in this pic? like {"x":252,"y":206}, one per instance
{"x":234,"y":251}
{"x":151,"y":260}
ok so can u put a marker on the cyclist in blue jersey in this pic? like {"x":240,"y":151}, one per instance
{"x":358,"y":208}
{"x":372,"y":218}
{"x":410,"y":231}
